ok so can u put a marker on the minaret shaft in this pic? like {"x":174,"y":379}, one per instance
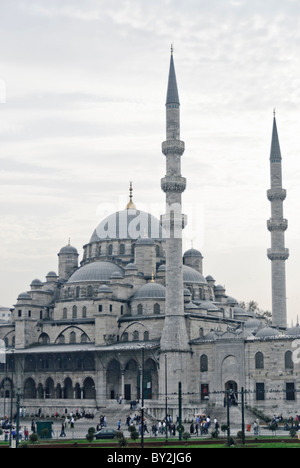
{"x":174,"y":336}
{"x":277,"y":225}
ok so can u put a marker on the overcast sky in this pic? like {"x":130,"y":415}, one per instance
{"x":82,"y":112}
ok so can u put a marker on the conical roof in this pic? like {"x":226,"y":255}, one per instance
{"x":172,"y":93}
{"x":275,"y":155}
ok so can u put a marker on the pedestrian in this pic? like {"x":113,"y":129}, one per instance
{"x":62,"y":434}
{"x":119,"y":424}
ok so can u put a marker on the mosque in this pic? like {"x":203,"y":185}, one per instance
{"x":137,"y":316}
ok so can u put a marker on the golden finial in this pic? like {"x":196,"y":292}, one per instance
{"x":130,"y":204}
{"x":152,"y":280}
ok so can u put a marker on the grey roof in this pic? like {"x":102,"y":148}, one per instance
{"x":151,"y":291}
{"x":192,"y":253}
{"x":192,"y":276}
{"x":128,"y":224}
{"x":96,"y":271}
{"x":172,"y":93}
{"x":267,"y":332}
{"x":24,"y":296}
{"x":68,"y":249}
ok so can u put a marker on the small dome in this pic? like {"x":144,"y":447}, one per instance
{"x":24,"y":297}
{"x":36,"y":282}
{"x":116,"y":275}
{"x":187,"y":292}
{"x":267,"y":332}
{"x":131,"y":266}
{"x":96,"y":271}
{"x":162,"y":268}
{"x":192,"y":276}
{"x":51,"y":274}
{"x":207,"y":305}
{"x":192,"y":253}
{"x":210,"y":278}
{"x":104,"y":289}
{"x":231,"y":301}
{"x":151,"y":291}
{"x":68,"y":249}
{"x":252,"y":324}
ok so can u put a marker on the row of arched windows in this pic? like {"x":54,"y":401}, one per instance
{"x":156,"y":309}
{"x":75,"y":312}
{"x":259,"y":361}
{"x":135,"y":336}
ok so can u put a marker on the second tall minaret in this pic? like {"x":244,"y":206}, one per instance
{"x":277,"y":225}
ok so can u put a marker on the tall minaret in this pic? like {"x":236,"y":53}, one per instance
{"x":277,"y":225}
{"x":174,"y":336}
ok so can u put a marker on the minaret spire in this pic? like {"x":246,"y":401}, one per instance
{"x":277,"y":225}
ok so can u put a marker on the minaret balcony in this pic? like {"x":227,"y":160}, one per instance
{"x":277,"y":224}
{"x":170,"y":147}
{"x":276,"y":194}
{"x":282,"y":254}
{"x":173,"y":184}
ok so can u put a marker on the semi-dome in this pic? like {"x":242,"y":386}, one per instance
{"x":97,"y":271}
{"x":128,"y":224}
{"x":192,"y":276}
{"x":151,"y":291}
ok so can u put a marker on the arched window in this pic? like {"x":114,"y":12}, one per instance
{"x":84,"y":312}
{"x":110,"y":249}
{"x":84,"y":338}
{"x":72,"y":337}
{"x":44,"y":339}
{"x":259,"y":360}
{"x":125,"y":336}
{"x":122,"y":249}
{"x":90,"y":291}
{"x":65,"y":313}
{"x":203,"y":363}
{"x":136,"y":336}
{"x":146,"y":336}
{"x":288,"y":360}
{"x":140,"y":309}
{"x":77,"y":291}
{"x":61,"y":339}
{"x":156,"y":309}
{"x":74,"y":311}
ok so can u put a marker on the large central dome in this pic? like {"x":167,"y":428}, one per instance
{"x":128,"y":224}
